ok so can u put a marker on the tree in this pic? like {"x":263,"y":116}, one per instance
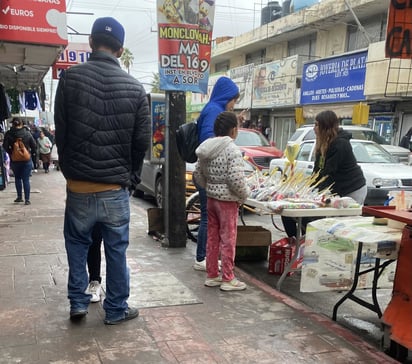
{"x":127,"y":59}
{"x":156,"y":84}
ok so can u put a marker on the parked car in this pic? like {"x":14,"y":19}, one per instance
{"x":382,"y":171}
{"x":256,"y":149}
{"x":151,"y":181}
{"x":358,"y":132}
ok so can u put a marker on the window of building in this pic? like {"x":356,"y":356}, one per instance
{"x":304,"y":46}
{"x":375,"y":28}
{"x":222,"y":66}
{"x":257,"y":57}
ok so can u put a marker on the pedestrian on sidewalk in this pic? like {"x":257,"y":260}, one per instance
{"x":21,"y":169}
{"x":45,"y":146}
{"x":102,"y":132}
{"x":220,"y":171}
{"x":223,"y":98}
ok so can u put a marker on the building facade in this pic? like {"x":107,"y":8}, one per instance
{"x":330,"y":55}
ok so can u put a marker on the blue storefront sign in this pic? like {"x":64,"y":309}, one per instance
{"x":337,"y":79}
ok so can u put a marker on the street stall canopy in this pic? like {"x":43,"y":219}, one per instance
{"x":33,"y":34}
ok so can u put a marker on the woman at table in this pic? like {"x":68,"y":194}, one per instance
{"x":335,"y":161}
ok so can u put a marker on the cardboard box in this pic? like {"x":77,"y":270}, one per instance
{"x":281,"y":253}
{"x":155,"y":221}
{"x":252,"y":243}
{"x":253,"y":236}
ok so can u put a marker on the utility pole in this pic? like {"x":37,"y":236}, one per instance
{"x":174,"y":182}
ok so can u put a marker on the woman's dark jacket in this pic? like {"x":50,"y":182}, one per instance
{"x":102,"y":122}
{"x":340,"y":166}
{"x":14,"y":133}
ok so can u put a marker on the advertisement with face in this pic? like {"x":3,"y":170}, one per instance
{"x":274,"y":83}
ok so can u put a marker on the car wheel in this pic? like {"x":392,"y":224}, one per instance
{"x":193,"y":216}
{"x":159,"y":192}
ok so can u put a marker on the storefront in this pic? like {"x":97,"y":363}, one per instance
{"x":387,"y":84}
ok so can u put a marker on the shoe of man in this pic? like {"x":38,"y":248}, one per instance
{"x":77,"y":315}
{"x":18,"y":199}
{"x":94,"y":288}
{"x":27,"y":202}
{"x":233,"y":285}
{"x":129,"y":314}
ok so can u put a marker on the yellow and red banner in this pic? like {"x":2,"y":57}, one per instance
{"x":399,"y":30}
{"x":185,"y":38}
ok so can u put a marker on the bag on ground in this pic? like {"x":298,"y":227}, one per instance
{"x":187,"y":141}
{"x":19,"y":152}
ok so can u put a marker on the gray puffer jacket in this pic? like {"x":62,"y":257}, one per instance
{"x":102,"y":122}
{"x":220,"y":169}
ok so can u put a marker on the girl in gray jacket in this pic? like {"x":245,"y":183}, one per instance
{"x":220,"y":170}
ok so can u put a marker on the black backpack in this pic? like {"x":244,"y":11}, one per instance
{"x":187,"y":141}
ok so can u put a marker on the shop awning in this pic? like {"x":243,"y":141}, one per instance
{"x":341,"y":110}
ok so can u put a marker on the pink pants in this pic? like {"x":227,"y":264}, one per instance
{"x":222,"y":217}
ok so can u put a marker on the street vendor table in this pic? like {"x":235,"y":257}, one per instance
{"x":263,"y":207}
{"x":397,"y":318}
{"x":347,"y":254}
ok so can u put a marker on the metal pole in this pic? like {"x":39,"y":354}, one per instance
{"x":174,"y":184}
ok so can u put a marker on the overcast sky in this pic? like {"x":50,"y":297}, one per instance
{"x":232,"y":17}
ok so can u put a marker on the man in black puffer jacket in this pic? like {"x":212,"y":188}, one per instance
{"x":102,"y":133}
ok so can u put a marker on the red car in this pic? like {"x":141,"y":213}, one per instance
{"x":256,"y":148}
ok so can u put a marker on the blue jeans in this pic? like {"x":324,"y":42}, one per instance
{"x":111,"y":210}
{"x":202,"y":233}
{"x":21,"y":171}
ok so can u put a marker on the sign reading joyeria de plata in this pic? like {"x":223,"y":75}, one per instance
{"x":36,"y":21}
{"x":185,"y":36}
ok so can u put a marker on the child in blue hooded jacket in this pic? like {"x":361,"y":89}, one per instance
{"x":223,"y":98}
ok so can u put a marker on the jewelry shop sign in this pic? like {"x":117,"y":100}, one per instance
{"x":335,"y":79}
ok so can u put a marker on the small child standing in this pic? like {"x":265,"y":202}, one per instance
{"x":220,"y":169}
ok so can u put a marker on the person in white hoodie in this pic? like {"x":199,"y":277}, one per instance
{"x":220,"y":171}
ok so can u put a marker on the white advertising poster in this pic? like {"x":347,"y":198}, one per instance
{"x":274,"y":83}
{"x":243,"y":77}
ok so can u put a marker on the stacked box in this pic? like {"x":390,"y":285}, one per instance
{"x":281,"y":253}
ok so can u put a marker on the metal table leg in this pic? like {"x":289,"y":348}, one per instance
{"x":377,"y":271}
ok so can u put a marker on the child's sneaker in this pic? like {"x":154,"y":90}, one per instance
{"x":213,"y":282}
{"x":94,"y":288}
{"x":233,"y":285}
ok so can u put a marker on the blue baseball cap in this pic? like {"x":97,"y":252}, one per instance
{"x":109,"y":26}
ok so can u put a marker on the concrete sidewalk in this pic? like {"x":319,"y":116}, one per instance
{"x":181,"y":320}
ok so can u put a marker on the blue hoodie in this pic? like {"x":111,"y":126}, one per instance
{"x":223,"y":91}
